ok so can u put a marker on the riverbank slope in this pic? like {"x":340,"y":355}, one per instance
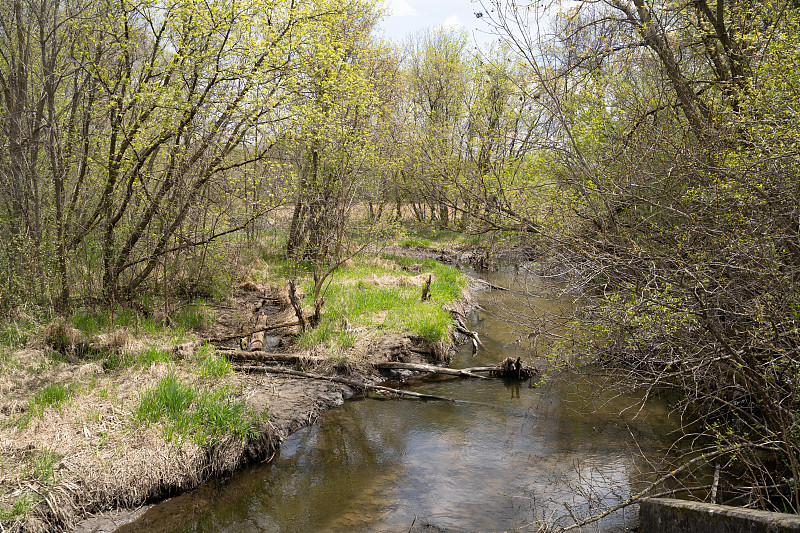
{"x":121,"y":418}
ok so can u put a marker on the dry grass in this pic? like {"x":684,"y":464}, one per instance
{"x":105,"y":459}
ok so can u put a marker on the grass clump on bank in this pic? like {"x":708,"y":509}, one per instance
{"x":206,"y":416}
{"x":22,"y":507}
{"x":54,"y":395}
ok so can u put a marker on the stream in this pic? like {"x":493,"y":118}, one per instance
{"x":512,"y":455}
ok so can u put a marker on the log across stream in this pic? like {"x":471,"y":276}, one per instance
{"x":501,"y":457}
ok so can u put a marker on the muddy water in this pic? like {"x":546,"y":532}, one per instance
{"x":507,"y":457}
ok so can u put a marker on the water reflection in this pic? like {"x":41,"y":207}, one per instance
{"x":511,"y":455}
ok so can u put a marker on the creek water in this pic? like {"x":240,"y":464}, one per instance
{"x":506,"y":458}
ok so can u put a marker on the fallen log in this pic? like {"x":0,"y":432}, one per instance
{"x":248,"y":333}
{"x":490,"y":285}
{"x":345,"y":381}
{"x":428,"y":368}
{"x":509,"y":368}
{"x":257,"y":356}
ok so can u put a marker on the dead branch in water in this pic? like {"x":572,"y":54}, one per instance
{"x":430,"y":369}
{"x":464,"y":330}
{"x":345,"y":381}
{"x":490,"y":285}
{"x":515,"y":369}
{"x":257,"y":356}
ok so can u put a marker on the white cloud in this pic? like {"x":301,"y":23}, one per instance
{"x":401,"y":8}
{"x":451,"y":22}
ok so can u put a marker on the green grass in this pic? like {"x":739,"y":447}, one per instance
{"x":54,"y":395}
{"x":114,"y":360}
{"x":396,"y":308}
{"x":207,"y":416}
{"x":22,"y":507}
{"x":98,"y":321}
{"x":14,"y":334}
{"x":407,"y":243}
{"x":430,"y":234}
{"x":196,"y":316}
{"x":43,"y":465}
{"x":152,"y":355}
{"x":215,"y":366}
{"x":280,"y":269}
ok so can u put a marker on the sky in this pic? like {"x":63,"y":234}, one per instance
{"x":408,"y":16}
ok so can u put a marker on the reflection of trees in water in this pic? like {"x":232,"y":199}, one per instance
{"x":514,"y":452}
{"x":342,"y":471}
{"x":526,"y":319}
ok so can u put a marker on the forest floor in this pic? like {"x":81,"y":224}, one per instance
{"x":95,"y":420}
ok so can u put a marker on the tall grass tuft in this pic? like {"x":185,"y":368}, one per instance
{"x":206,"y":416}
{"x":195,"y":317}
{"x":215,"y":367}
{"x":53,"y":395}
{"x":43,"y":464}
{"x":152,"y":355}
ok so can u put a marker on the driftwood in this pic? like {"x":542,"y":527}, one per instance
{"x":345,"y":381}
{"x":430,"y":369}
{"x":462,"y":328}
{"x":491,"y":285}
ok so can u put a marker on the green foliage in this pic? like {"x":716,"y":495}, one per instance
{"x":15,"y":334}
{"x":116,"y":360}
{"x":207,"y":416}
{"x":99,"y":321}
{"x":43,"y":464}
{"x":407,"y":243}
{"x":321,"y":334}
{"x":22,"y":507}
{"x":53,"y":395}
{"x":215,"y":366}
{"x":152,"y":355}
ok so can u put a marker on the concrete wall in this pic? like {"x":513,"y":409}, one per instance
{"x":665,"y":515}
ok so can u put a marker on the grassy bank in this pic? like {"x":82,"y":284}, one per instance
{"x":384,"y":295}
{"x":115,"y":407}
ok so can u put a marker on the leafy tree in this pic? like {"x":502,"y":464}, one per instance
{"x":673,"y":125}
{"x":123,"y":121}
